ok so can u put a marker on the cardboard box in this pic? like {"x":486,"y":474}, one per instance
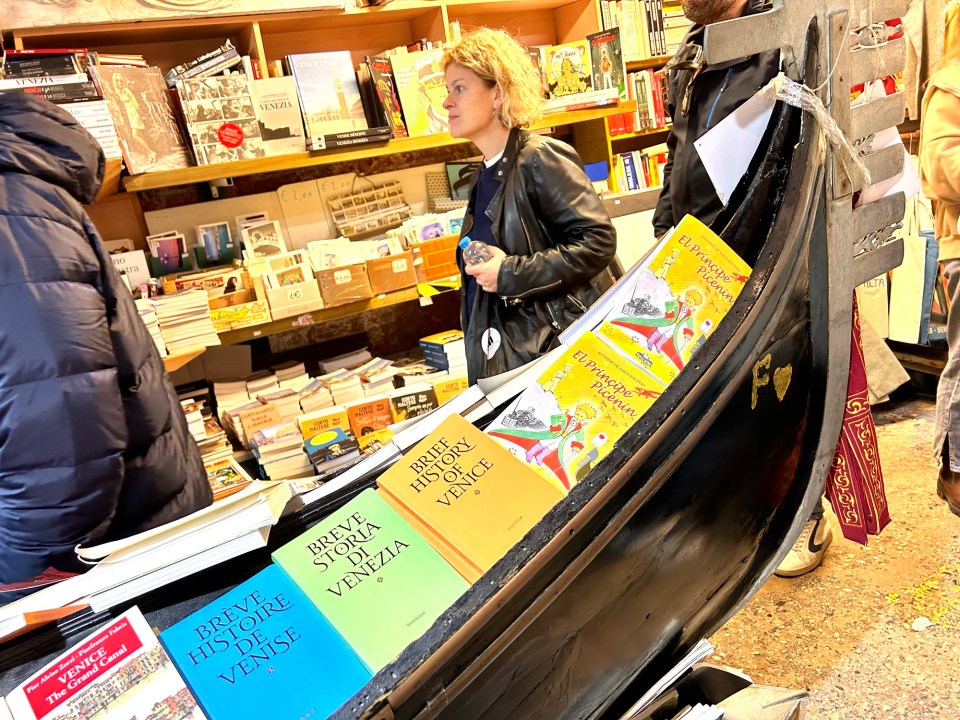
{"x":296,"y":299}
{"x":240,"y":309}
{"x":435,"y":259}
{"x":393,"y":272}
{"x":345,"y":284}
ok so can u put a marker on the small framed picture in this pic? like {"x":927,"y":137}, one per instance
{"x":459,"y":176}
{"x":263,"y":239}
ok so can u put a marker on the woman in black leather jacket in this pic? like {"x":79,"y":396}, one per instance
{"x":531,"y":201}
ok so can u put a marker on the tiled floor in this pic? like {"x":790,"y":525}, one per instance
{"x":850,"y":632}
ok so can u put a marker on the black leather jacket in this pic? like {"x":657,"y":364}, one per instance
{"x":700,"y":96}
{"x":549,"y":220}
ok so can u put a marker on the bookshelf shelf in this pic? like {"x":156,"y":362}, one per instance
{"x":645,"y":63}
{"x":641,"y":134}
{"x":318,"y":316}
{"x":206,"y":173}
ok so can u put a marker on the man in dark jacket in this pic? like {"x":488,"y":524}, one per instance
{"x":700,"y":96}
{"x":93,"y":443}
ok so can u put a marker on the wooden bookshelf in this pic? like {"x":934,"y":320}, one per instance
{"x":651,"y":62}
{"x":642,"y":134}
{"x":294,"y":161}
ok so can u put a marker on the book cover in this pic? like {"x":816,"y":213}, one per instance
{"x":145,"y":118}
{"x":278,"y":113}
{"x":120,"y":671}
{"x":420,"y":86}
{"x":470,"y":491}
{"x":449,"y":387}
{"x":369,"y":415}
{"x":570,"y":418}
{"x":606,"y":61}
{"x":372,"y":576}
{"x":254,"y":653}
{"x":567,"y":68}
{"x":685,"y":288}
{"x":329,"y":94}
{"x":381,"y":73}
{"x":325,"y":419}
{"x":412,"y":401}
{"x":331,"y":446}
{"x":221,"y":118}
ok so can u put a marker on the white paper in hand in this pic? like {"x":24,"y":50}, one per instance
{"x":727,"y":149}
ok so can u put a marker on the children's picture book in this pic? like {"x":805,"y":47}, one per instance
{"x":329,"y":95}
{"x":253,"y":653}
{"x":119,"y":671}
{"x":567,"y":421}
{"x":421,"y":89}
{"x":278,"y":112}
{"x":475,"y":498}
{"x":263,"y":239}
{"x":606,"y":61}
{"x":144,"y":116}
{"x":221,"y":118}
{"x":567,"y":68}
{"x":679,"y":296}
{"x":376,"y":580}
{"x":381,"y":74}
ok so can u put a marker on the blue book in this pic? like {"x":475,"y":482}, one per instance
{"x":254,"y":652}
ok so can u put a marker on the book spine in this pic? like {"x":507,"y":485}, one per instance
{"x":47,"y":80}
{"x":178,"y":70}
{"x":42,"y":65}
{"x":210,"y":67}
{"x":353,"y":137}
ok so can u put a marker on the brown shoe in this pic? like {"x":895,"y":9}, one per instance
{"x":948,"y":487}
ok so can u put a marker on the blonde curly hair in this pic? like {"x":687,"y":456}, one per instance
{"x":499,"y":59}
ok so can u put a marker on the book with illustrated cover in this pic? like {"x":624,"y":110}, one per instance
{"x":119,"y":671}
{"x":678,"y":297}
{"x":571,"y":417}
{"x":606,"y":61}
{"x":381,"y":73}
{"x":221,"y":118}
{"x":329,"y":95}
{"x":368,"y":415}
{"x":278,"y":112}
{"x":418,"y":77}
{"x":567,"y":68}
{"x":144,"y":116}
{"x":377,"y":581}
{"x":254,"y":653}
{"x":412,"y":401}
{"x":475,"y":497}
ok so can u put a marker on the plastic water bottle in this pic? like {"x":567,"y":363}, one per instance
{"x":474,"y":251}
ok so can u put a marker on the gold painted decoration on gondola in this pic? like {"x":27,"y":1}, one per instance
{"x":781,"y":380}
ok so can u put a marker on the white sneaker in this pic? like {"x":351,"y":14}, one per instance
{"x":807,"y":552}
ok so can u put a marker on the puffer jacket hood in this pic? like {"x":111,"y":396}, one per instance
{"x":40,"y":139}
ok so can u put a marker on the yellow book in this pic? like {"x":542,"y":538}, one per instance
{"x":689,"y":283}
{"x":318,"y":421}
{"x":449,"y":387}
{"x":568,"y":420}
{"x":468,"y":490}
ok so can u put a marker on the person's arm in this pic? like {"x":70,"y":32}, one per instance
{"x":583,"y":239}
{"x":940,"y":154}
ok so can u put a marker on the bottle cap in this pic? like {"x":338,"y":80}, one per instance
{"x":464,"y":241}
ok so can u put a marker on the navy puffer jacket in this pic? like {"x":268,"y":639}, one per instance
{"x":93,"y":443}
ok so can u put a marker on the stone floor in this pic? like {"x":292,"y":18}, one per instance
{"x":874,"y":633}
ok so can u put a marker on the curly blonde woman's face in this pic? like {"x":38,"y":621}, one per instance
{"x":471,"y":102}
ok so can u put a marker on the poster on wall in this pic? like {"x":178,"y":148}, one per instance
{"x":42,"y":13}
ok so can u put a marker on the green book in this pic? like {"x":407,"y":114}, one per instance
{"x":377,"y":581}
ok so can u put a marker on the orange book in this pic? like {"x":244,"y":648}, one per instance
{"x":369,"y":415}
{"x":475,"y":498}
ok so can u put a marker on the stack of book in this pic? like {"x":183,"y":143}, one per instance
{"x":445,"y":351}
{"x":287,"y":402}
{"x":279,"y":450}
{"x":292,"y":376}
{"x":262,"y":381}
{"x":209,"y":63}
{"x":230,"y":394}
{"x":345,"y":386}
{"x":353,"y":359}
{"x":185,"y":322}
{"x":331,"y":450}
{"x":376,"y":376}
{"x":58,"y":75}
{"x":148,"y":313}
{"x":193,"y":412}
{"x":315,"y":396}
